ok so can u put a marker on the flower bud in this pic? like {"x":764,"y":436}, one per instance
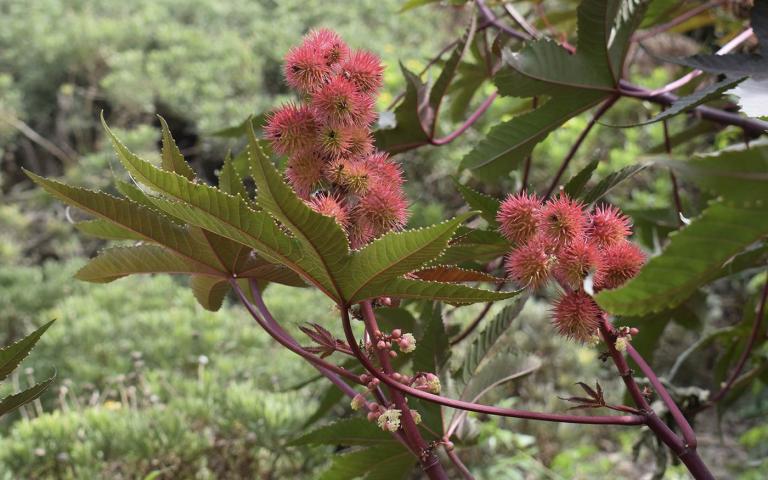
{"x":358,"y":402}
{"x":389,"y":421}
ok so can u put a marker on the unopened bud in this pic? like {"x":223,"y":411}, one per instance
{"x":392,"y":353}
{"x":397,"y":377}
{"x":381,"y":345}
{"x":396,"y":333}
{"x":634,"y":331}
{"x":358,"y":402}
{"x":372,"y":416}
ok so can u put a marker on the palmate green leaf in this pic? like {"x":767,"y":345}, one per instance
{"x":508,"y":143}
{"x":454,"y":274}
{"x":739,"y":174}
{"x":485,"y":341}
{"x":349,"y":431}
{"x":12,"y":355}
{"x":382,"y":462}
{"x":141,"y":221}
{"x":135,"y":194}
{"x":172,"y":159}
{"x":474,"y":246}
{"x":217,"y":212}
{"x":321,"y":237}
{"x":443,"y":82}
{"x":408,"y":130}
{"x":689,"y":102}
{"x":693,"y":256}
{"x":485,"y":204}
{"x":609,"y":182}
{"x":106,"y":230}
{"x":12,"y":402}
{"x":118,"y":262}
{"x":576,"y":185}
{"x":393,"y":255}
{"x":230,"y":181}
{"x":627,"y":19}
{"x":209,"y":291}
{"x":420,"y":290}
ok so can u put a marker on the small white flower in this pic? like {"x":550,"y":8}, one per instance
{"x":621,"y":344}
{"x":416,"y":416}
{"x":389,"y":420}
{"x":407,"y":343}
{"x":358,"y":402}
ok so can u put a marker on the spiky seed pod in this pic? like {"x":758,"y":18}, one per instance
{"x":608,"y":226}
{"x":328,"y":44}
{"x":575,"y":261}
{"x":360,"y":231}
{"x":364,"y":70}
{"x":339,"y":104}
{"x":562,"y":220}
{"x":360,"y":141}
{"x":333,"y":142}
{"x":530,"y":265}
{"x":304,"y":172}
{"x":385,"y":207}
{"x":518,"y":217}
{"x":384,"y":170}
{"x":576,"y":316}
{"x":357,"y":177}
{"x":305,"y":68}
{"x":618,"y":263}
{"x":292,"y":129}
{"x":331,"y":206}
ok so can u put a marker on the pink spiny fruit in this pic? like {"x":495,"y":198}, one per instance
{"x":304,"y":172}
{"x":291,"y":129}
{"x":608,"y":226}
{"x":333,"y":142}
{"x":364,"y":70}
{"x":518,"y":217}
{"x":360,"y":231}
{"x":331,"y":206}
{"x":530,"y":265}
{"x":328,"y":44}
{"x":360,"y":141}
{"x":576,"y":316}
{"x":305,"y":68}
{"x":356,"y":177}
{"x":618,"y":263}
{"x":385,"y":207}
{"x":562,"y":220}
{"x":340,"y":104}
{"x":383,"y":169}
{"x":575,"y":261}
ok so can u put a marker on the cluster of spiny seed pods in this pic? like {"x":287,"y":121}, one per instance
{"x":326,"y":136}
{"x":562,"y":240}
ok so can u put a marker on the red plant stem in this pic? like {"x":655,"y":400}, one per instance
{"x":476,"y":407}
{"x":529,"y":158}
{"x":687,"y":455}
{"x":575,"y":147}
{"x":490,"y":17}
{"x":682,"y":18}
{"x":467,"y":123}
{"x":688,"y":434}
{"x":672,"y":177}
{"x":268,"y":324}
{"x":454,"y":458}
{"x":751,"y":125}
{"x":430,"y":463}
{"x":736,"y":372}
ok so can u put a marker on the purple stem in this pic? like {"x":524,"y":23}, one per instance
{"x":476,"y":407}
{"x":467,"y":123}
{"x":288,"y":342}
{"x":454,"y":458}
{"x":430,"y":463}
{"x":687,"y":455}
{"x":688,"y":434}
{"x":736,"y":372}
{"x":490,"y":17}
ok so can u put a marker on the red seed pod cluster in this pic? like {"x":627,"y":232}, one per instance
{"x":562,"y":240}
{"x":327,"y":138}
